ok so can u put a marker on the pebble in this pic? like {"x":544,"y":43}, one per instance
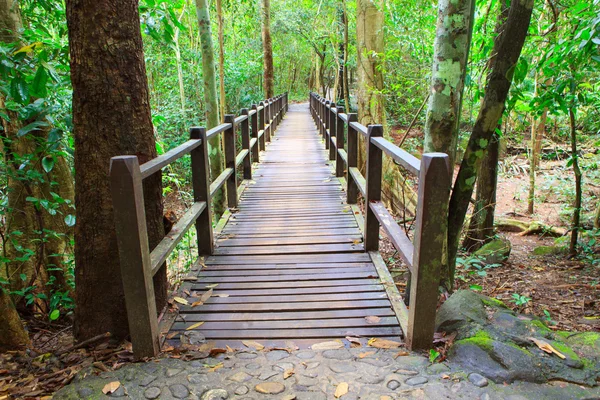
{"x":393,"y":384}
{"x":241,"y":390}
{"x":246,"y":355}
{"x":152,"y":393}
{"x":215,"y":394}
{"x":305,"y":355}
{"x":340,"y":368}
{"x":311,"y":365}
{"x":270,"y":388}
{"x":179,"y":391}
{"x":240,"y":377}
{"x":196,"y":378}
{"x":120,"y":392}
{"x":148,"y":379}
{"x":253,"y":366}
{"x":417,"y":380}
{"x":478,"y":380}
{"x":266,"y":375}
{"x":284,"y":366}
{"x":277,"y":355}
{"x":172,"y":372}
{"x":337,"y":354}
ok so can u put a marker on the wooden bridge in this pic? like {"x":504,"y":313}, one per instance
{"x":292,"y":259}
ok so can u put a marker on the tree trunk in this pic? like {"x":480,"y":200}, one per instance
{"x":10,"y":21}
{"x":577,"y":171}
{"x":267,"y":49}
{"x":597,"y":217}
{"x":222,"y":102}
{"x":12,"y":334}
{"x":506,"y":52}
{"x":481,"y":228}
{"x":535,"y":147}
{"x":179,"y":66}
{"x":345,"y":83}
{"x":341,"y":55}
{"x":210,"y":98}
{"x":451,"y":52}
{"x":111,"y":116}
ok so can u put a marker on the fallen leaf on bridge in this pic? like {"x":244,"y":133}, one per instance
{"x":401,"y":354}
{"x":214,"y":285}
{"x":341,"y":390}
{"x":334,"y":344}
{"x":354,"y":341}
{"x":206,"y":296}
{"x":111,"y":387}
{"x":366,"y":354}
{"x":372,"y":319}
{"x":189,"y":328}
{"x":181,"y":300}
{"x":384,"y":344}
{"x":197,"y":303}
{"x":221,"y":295}
{"x":253,"y":344}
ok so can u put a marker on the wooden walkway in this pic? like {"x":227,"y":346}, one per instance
{"x":290,"y":263}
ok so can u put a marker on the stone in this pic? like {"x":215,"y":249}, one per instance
{"x":438,"y":368}
{"x":311,"y":364}
{"x":266,"y":375}
{"x":241,"y":390}
{"x":463,"y":307}
{"x":305,"y":354}
{"x":342,"y":367}
{"x":192,"y":337}
{"x":172,"y":372}
{"x":120,"y":392}
{"x":495,"y":252}
{"x":85,"y":392}
{"x":393,"y":384}
{"x":245,"y":355}
{"x":179,"y":391}
{"x":146,"y":380}
{"x":371,"y":379}
{"x":270,"y":388}
{"x":196,"y":378}
{"x":253,"y":366}
{"x":478,"y":380}
{"x":406,"y":372}
{"x":349,"y":396}
{"x":337,"y":354}
{"x":417,"y":380}
{"x":152,"y":392}
{"x":284,"y":366}
{"x":277,"y":355}
{"x":215,"y":394}
{"x":240,"y":377}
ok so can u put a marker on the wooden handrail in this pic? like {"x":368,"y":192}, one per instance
{"x":424,"y":255}
{"x":139,"y":263}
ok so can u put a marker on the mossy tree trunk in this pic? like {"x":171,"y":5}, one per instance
{"x":111,"y":117}
{"x":210,"y":99}
{"x":268,"y":74}
{"x":512,"y":32}
{"x":578,"y":176}
{"x":222,"y":102}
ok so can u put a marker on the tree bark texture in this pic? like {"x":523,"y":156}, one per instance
{"x":451,"y":51}
{"x":111,"y":116}
{"x":512,"y":32}
{"x":222,"y":102}
{"x":577,"y":171}
{"x":268,"y":79}
{"x":215,"y":153}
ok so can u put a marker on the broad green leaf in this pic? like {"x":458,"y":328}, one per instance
{"x":39,"y":82}
{"x":19,"y":90}
{"x":34,"y":126}
{"x":70,"y":220}
{"x":54,"y":315}
{"x":47,"y":163}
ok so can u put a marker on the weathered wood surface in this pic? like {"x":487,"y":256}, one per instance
{"x":290,"y":263}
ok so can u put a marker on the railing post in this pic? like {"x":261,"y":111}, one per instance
{"x":254,"y":129}
{"x":261,"y":124}
{"x":352,"y":190}
{"x":246,"y":145}
{"x":322,"y":117}
{"x":332,"y":131}
{"x":373,"y":187}
{"x":201,"y":189}
{"x":230,"y":154}
{"x":327,"y":124}
{"x":134,"y":254}
{"x":339,"y":137}
{"x":431,"y":225}
{"x":268,"y":120}
{"x":287,"y":104}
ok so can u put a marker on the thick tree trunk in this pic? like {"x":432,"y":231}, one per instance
{"x":222,"y":102}
{"x":210,"y":98}
{"x":451,"y":52}
{"x":12,"y":334}
{"x":111,"y":116}
{"x":506,"y":52}
{"x":268,"y":79}
{"x":577,"y":171}
{"x":10,"y":21}
{"x":481,"y":228}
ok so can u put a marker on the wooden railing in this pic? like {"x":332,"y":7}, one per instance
{"x":138,"y":263}
{"x":424,"y":255}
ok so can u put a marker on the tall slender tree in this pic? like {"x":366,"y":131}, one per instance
{"x":268,"y":73}
{"x":222,"y":102}
{"x":210,"y":98}
{"x":111,"y":116}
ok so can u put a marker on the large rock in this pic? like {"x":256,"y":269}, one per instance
{"x":495,"y":252}
{"x":497,"y":343}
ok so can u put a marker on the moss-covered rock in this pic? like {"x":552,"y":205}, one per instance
{"x":548,"y":250}
{"x":495,"y":252}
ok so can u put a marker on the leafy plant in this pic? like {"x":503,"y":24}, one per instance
{"x":520,"y":300}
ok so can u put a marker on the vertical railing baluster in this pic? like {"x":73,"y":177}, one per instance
{"x":134,"y":254}
{"x":261,"y":125}
{"x":430,"y":234}
{"x":201,"y":189}
{"x":254,"y":133}
{"x":339,"y":137}
{"x":352,"y":191}
{"x":373,"y":187}
{"x":326,"y":114}
{"x":230,"y":154}
{"x":246,"y":145}
{"x":332,"y":130}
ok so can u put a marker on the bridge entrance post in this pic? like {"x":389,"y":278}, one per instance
{"x":201,"y":190}
{"x":373,"y":187}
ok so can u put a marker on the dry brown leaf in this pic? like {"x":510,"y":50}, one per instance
{"x":221,"y":295}
{"x":384,"y":343}
{"x":206,"y":295}
{"x":401,"y":354}
{"x":253,"y":344}
{"x":547,"y":347}
{"x":385,"y":397}
{"x":289,"y":397}
{"x":181,"y":300}
{"x":229,"y":349}
{"x":197,"y":303}
{"x":354,"y":341}
{"x":172,"y":335}
{"x":331,"y":345}
{"x":214,"y":285}
{"x":357,"y":241}
{"x":372,"y":319}
{"x":341,"y":390}
{"x":197,"y":324}
{"x":111,"y":387}
{"x":216,"y":351}
{"x":366,"y":354}
{"x":216,"y":367}
{"x":288,"y":372}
